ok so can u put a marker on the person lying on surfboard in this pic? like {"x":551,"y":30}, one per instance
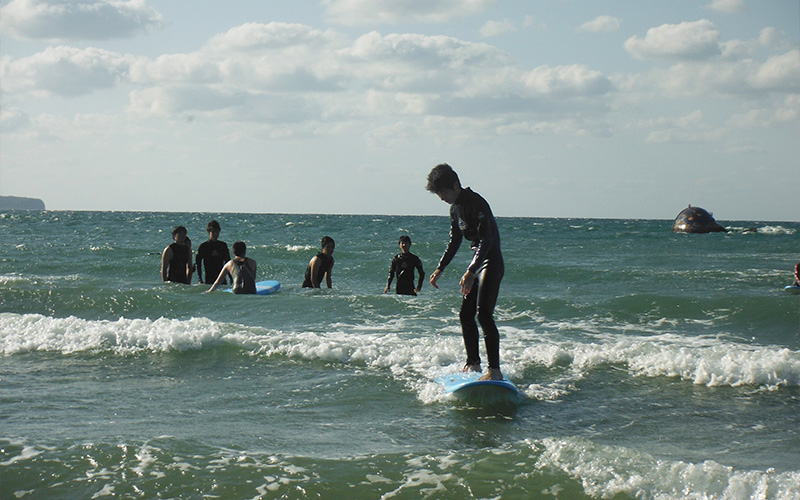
{"x":471,"y":218}
{"x":241,"y":269}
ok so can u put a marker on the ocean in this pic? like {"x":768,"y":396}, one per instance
{"x":653,"y":365}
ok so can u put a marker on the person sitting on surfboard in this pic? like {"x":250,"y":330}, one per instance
{"x":320,"y":265}
{"x":471,"y":218}
{"x":176,"y":259}
{"x":403,"y":265}
{"x":241,"y":269}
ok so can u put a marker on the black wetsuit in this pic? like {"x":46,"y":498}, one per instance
{"x":181,"y":257}
{"x":403,"y":265}
{"x":471,"y":218}
{"x":326,"y":263}
{"x":213,"y":255}
{"x":244,"y":280}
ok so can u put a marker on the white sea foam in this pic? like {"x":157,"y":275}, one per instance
{"x":411,"y":357}
{"x":606,"y":471}
{"x":775,"y":230}
{"x":299,"y":248}
{"x":27,"y":453}
{"x":34,"y":332}
{"x":601,"y":470}
{"x":703,"y":361}
{"x":770,"y":230}
{"x":10,"y":280}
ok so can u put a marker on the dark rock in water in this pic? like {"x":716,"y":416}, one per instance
{"x":696,"y":220}
{"x":20,"y":203}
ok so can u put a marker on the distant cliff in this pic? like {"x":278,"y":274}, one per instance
{"x":20,"y":203}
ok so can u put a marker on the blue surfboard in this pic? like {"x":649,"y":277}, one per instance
{"x":792,"y":289}
{"x":466,"y":385}
{"x":263,"y":287}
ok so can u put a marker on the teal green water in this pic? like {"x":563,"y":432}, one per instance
{"x":653,"y":365}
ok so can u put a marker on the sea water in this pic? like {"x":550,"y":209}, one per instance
{"x":653,"y":365}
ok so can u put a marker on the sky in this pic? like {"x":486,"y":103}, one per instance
{"x":547,"y":108}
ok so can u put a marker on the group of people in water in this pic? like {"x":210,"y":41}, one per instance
{"x":470,"y":218}
{"x":214,"y":259}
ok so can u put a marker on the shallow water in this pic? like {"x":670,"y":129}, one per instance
{"x":653,"y":364}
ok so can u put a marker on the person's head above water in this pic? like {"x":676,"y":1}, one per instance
{"x":239,"y":249}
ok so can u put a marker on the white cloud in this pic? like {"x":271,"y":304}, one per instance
{"x":571,"y":80}
{"x":400,"y":74}
{"x":426,"y":52}
{"x":688,"y":41}
{"x":275,"y":37}
{"x":779,"y":73}
{"x":293,"y":77}
{"x":788,"y":112}
{"x":601,"y":24}
{"x":65,"y":71}
{"x":768,"y":38}
{"x":78,"y":19}
{"x":371,"y":12}
{"x":683,"y":129}
{"x":422,"y":64}
{"x":727,"y":6}
{"x":254,"y":58}
{"x":496,"y":28}
{"x":281,"y":73}
{"x":13,"y":120}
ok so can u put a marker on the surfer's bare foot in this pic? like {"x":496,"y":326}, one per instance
{"x":473,"y":368}
{"x":493,"y":374}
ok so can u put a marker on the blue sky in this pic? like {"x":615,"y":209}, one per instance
{"x":549,"y":108}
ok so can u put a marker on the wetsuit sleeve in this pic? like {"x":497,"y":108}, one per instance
{"x":391,"y":271}
{"x":454,"y":243}
{"x":197,"y":260}
{"x":421,"y":273}
{"x":488,"y":236}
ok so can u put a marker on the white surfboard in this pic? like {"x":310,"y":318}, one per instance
{"x":792,"y":289}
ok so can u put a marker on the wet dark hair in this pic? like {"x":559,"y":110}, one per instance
{"x":327,"y":241}
{"x":178,"y":229}
{"x":405,"y":238}
{"x":213,"y":225}
{"x":239,"y":249}
{"x":442,"y":177}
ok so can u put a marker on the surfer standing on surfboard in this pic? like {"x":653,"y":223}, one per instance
{"x":471,"y":218}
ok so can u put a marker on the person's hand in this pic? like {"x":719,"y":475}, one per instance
{"x":466,"y":282}
{"x":435,"y":277}
{"x":385,"y":290}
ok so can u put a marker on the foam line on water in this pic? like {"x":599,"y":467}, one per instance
{"x":557,"y":467}
{"x":699,"y":360}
